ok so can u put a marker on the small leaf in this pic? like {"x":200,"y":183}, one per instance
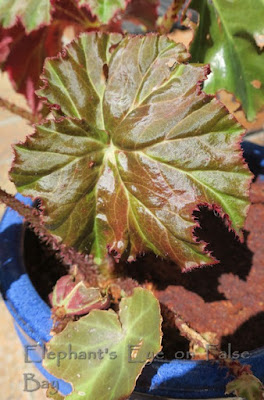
{"x":139,"y":148}
{"x":227,"y":31}
{"x":126,"y":341}
{"x":104,"y":9}
{"x":75,"y":298}
{"x":32,"y":13}
{"x":246,"y":386}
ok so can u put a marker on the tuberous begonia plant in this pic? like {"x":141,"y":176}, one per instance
{"x":131,"y":146}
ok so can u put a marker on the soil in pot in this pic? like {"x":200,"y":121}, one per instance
{"x":225,"y":300}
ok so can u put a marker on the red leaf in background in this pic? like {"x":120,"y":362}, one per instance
{"x":68,"y":10}
{"x":5,"y":40}
{"x":82,"y":19}
{"x":143,"y":12}
{"x":24,"y":54}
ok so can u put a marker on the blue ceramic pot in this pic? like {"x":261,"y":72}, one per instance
{"x":32,"y":317}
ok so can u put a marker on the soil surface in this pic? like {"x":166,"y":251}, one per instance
{"x":226,"y":300}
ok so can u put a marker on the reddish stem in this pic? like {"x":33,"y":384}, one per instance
{"x":13,"y":108}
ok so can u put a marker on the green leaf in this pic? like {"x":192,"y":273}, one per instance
{"x":104,"y":9}
{"x":127,"y":341}
{"x":228,"y":37}
{"x":140,"y":147}
{"x":246,"y":386}
{"x":31,"y":12}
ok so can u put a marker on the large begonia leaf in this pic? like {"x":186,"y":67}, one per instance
{"x":228,"y":38}
{"x":32,"y":13}
{"x":139,"y":148}
{"x":126,"y":341}
{"x":24,"y":56}
{"x":104,"y":9}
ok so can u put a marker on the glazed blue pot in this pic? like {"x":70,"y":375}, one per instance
{"x":32,"y":318}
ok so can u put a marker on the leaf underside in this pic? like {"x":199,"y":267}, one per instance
{"x":127,"y":340}
{"x":228,"y":38}
{"x":138,"y":148}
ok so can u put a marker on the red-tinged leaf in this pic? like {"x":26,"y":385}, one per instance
{"x":71,"y":12}
{"x":140,"y":148}
{"x":31,"y":13}
{"x":143,"y":12}
{"x":24,"y":56}
{"x":80,"y":16}
{"x":71,"y":297}
{"x":5,"y":41}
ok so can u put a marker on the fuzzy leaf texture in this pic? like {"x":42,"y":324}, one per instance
{"x":138,"y":149}
{"x":128,"y":340}
{"x":32,"y":13}
{"x":229,"y":38}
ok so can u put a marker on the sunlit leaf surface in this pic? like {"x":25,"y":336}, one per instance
{"x":229,"y":38}
{"x":139,"y":148}
{"x":111,"y":349}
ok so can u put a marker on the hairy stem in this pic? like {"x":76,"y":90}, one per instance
{"x":166,"y":22}
{"x":21,"y":112}
{"x":68,"y":255}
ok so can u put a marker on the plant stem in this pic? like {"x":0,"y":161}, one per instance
{"x":175,"y":12}
{"x":192,"y":335}
{"x":234,"y":366}
{"x":68,"y":255}
{"x":13,"y":108}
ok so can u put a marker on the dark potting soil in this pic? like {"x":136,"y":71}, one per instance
{"x":225,"y":300}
